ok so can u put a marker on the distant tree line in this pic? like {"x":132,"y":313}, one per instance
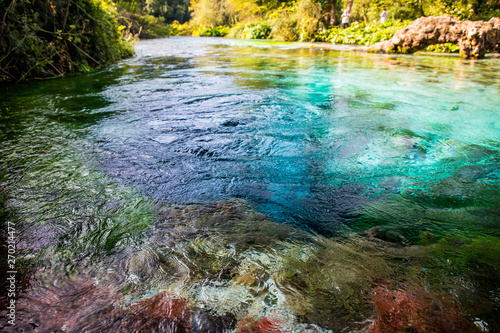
{"x":43,"y":38}
{"x":229,"y":12}
{"x":168,"y":10}
{"x":303,"y":19}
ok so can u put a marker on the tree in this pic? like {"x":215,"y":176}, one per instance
{"x":349,"y":5}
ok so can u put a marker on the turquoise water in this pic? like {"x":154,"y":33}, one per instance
{"x":248,"y":177}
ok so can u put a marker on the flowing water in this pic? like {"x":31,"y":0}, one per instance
{"x":254,"y":183}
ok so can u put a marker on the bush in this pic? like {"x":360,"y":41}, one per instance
{"x":220,"y":31}
{"x":444,"y":48}
{"x":252,"y":30}
{"x":360,"y":33}
{"x":184,"y":29}
{"x":297,"y":23}
{"x":44,"y":39}
{"x":152,"y":27}
{"x":284,"y":24}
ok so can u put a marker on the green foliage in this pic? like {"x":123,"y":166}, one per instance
{"x":360,"y":33}
{"x":252,"y":30}
{"x":444,"y":48}
{"x":44,"y":39}
{"x":219,"y":31}
{"x":213,"y":13}
{"x":185,"y":29}
{"x":165,"y":10}
{"x":130,"y":6}
{"x":152,"y":27}
{"x":280,"y":20}
{"x":369,"y":10}
{"x":176,"y":10}
{"x":299,"y":22}
{"x":284,"y":24}
{"x":466,"y":9}
{"x":289,"y":22}
{"x":308,"y":20}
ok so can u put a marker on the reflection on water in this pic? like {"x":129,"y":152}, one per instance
{"x":234,"y":185}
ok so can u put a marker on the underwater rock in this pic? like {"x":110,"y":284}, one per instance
{"x":228,"y":268}
{"x":475,"y":38}
{"x":204,"y":321}
{"x":231,"y":122}
{"x":411,"y":308}
{"x":82,"y":306}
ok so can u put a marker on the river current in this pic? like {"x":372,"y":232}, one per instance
{"x":255,"y":183}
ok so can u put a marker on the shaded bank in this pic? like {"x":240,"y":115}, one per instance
{"x":42,"y":39}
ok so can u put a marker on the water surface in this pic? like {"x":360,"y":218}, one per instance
{"x":198,"y":160}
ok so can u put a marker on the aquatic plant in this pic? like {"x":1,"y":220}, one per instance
{"x":265,"y":325}
{"x":411,"y":308}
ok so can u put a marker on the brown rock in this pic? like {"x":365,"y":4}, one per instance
{"x":475,"y":38}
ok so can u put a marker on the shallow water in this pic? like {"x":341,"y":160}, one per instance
{"x":246,"y":178}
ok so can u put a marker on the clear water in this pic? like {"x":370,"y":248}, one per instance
{"x":246,"y":177}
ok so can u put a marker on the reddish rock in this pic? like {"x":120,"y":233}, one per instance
{"x":81,"y":306}
{"x":475,"y":38}
{"x":265,"y":325}
{"x":411,"y":308}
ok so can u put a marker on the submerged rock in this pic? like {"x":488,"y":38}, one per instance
{"x":83,"y":306}
{"x":231,"y":122}
{"x":475,"y":38}
{"x":224,"y":267}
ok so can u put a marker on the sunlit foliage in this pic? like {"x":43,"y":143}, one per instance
{"x":52,"y":38}
{"x":309,"y":20}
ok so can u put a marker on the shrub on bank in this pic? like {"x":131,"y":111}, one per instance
{"x":444,"y":48}
{"x":361,"y":33}
{"x":296,"y":23}
{"x":253,"y":30}
{"x":151,"y":27}
{"x":185,"y":29}
{"x":220,"y":31}
{"x":44,"y":39}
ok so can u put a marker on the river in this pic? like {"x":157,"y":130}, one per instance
{"x":255,"y":183}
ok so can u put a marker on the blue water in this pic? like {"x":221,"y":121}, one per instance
{"x":310,"y":137}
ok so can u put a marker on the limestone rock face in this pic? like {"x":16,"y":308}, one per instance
{"x":473,"y":37}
